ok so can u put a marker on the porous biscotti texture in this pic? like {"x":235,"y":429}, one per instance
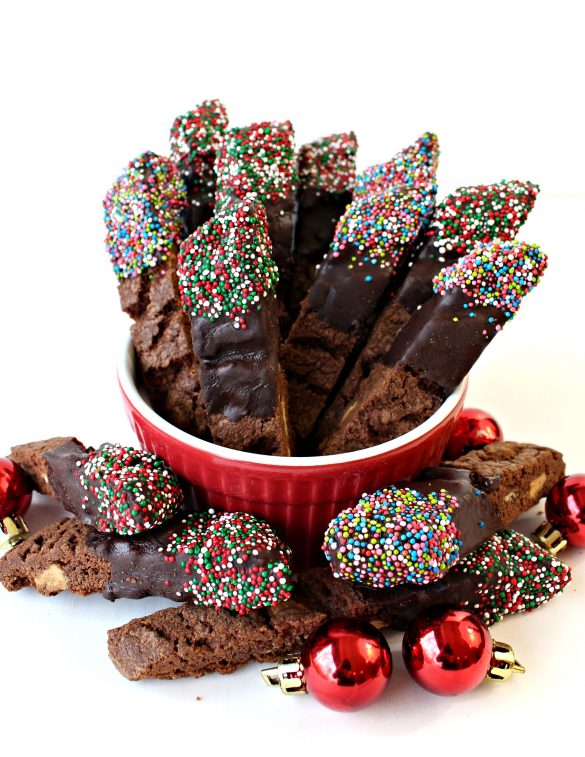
{"x":525,"y":474}
{"x":389,"y":323}
{"x":313,"y":357}
{"x":55,"y":559}
{"x":31,"y":459}
{"x":161,"y":336}
{"x":391,"y":401}
{"x":192,"y":641}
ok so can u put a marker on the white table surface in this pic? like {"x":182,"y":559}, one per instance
{"x":88,"y":86}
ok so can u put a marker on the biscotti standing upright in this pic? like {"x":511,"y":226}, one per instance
{"x":473,"y":299}
{"x":326,"y":179}
{"x":467,"y":216}
{"x":372,"y":239}
{"x":260,"y":158}
{"x":195,"y":138}
{"x":143,"y":216}
{"x":227,"y":279}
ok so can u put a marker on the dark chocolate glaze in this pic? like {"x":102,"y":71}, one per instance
{"x":201,"y":197}
{"x":417,"y":286}
{"x":239,"y":367}
{"x":341,"y":296}
{"x":318,"y":213}
{"x":281,"y":216}
{"x":62,"y":470}
{"x":440,"y":349}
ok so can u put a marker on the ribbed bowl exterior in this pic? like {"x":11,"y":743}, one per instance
{"x":298,"y":501}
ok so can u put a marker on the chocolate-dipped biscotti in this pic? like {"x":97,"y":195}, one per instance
{"x":260,"y":158}
{"x":227,"y":279}
{"x":372,"y":239}
{"x":143,"y":215}
{"x":415,"y":531}
{"x":131,"y":536}
{"x":326,"y":170}
{"x":508,"y":574}
{"x":467,"y":216}
{"x":438,"y":346}
{"x":195,"y":138}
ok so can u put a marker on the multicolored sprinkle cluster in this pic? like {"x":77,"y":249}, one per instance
{"x":498,"y":274}
{"x":257,"y":158}
{"x":195,"y":139}
{"x":142,"y":212}
{"x":519,"y":575}
{"x":225,"y":267}
{"x":380,"y":226}
{"x":480,"y":214}
{"x":231,"y":560}
{"x":394,"y":536}
{"x":329,"y":163}
{"x":414,"y":165}
{"x":135,"y":490}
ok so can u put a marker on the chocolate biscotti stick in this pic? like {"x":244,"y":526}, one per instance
{"x":371,"y":240}
{"x":326,"y":178}
{"x":260,"y":158}
{"x":467,"y":216}
{"x":506,"y":575}
{"x":195,"y":138}
{"x":227,"y":279}
{"x":415,"y":531}
{"x":144,"y":228}
{"x":438,"y":346}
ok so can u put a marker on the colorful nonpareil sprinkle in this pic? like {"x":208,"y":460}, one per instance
{"x":498,"y":274}
{"x":135,"y":490}
{"x":329,"y":163}
{"x":480,"y":214}
{"x":394,"y":536}
{"x":231,"y":560}
{"x":195,"y":138}
{"x":414,"y":165}
{"x":142,"y":212}
{"x":225,"y":266}
{"x":377,"y":227}
{"x":519,"y":575}
{"x":257,"y":158}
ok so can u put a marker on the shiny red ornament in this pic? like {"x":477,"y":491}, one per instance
{"x":15,"y":490}
{"x":347,"y":664}
{"x":447,"y":650}
{"x":473,"y":429}
{"x":565,"y":508}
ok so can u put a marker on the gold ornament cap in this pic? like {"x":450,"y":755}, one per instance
{"x":550,"y":538}
{"x":289,"y":675}
{"x":504,"y":663}
{"x":16,"y":531}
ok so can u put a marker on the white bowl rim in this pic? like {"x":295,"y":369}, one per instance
{"x":128,"y":386}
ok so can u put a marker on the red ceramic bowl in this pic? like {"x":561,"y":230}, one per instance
{"x":297,"y":495}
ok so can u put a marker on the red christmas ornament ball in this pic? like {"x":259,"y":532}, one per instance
{"x":473,"y":429}
{"x":447,"y":650}
{"x":15,"y":491}
{"x":565,"y":508}
{"x":347,"y":664}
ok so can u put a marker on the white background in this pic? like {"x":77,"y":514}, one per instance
{"x":85,"y":87}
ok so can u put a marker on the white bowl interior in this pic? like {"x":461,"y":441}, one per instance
{"x":126,"y":375}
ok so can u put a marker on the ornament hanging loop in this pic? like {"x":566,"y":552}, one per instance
{"x":504,"y":663}
{"x":550,"y":538}
{"x":288,"y":675}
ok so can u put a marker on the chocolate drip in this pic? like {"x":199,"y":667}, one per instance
{"x":201,"y":198}
{"x":417,"y":286}
{"x":239,"y":367}
{"x":443,"y":340}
